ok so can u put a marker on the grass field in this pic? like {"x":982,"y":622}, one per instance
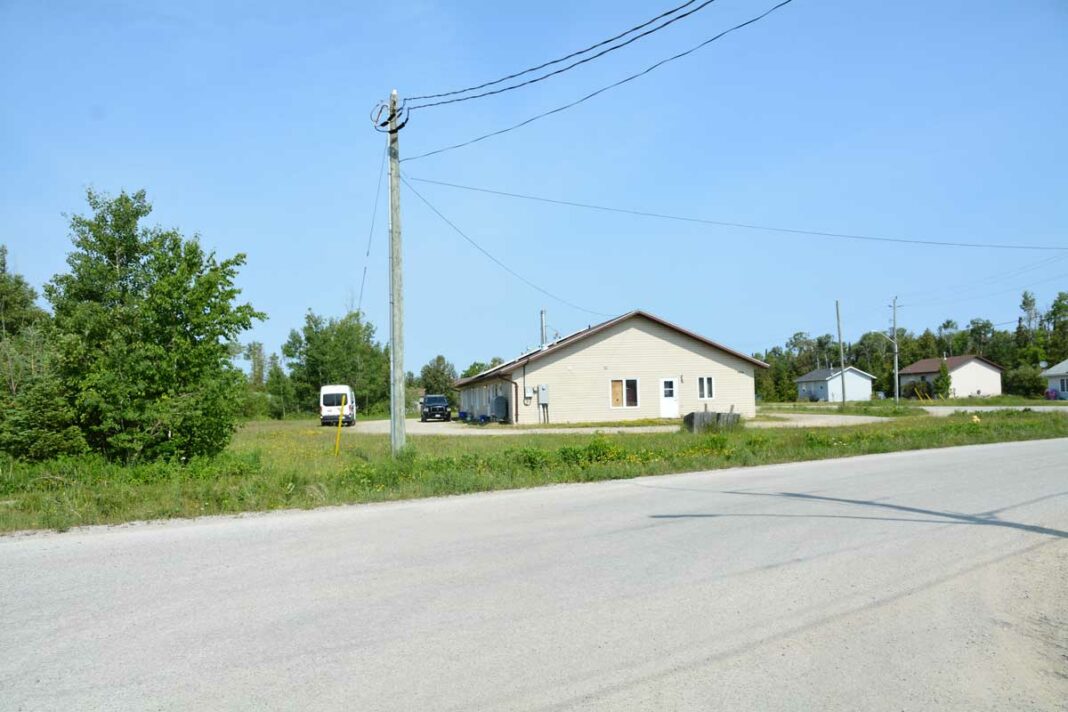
{"x":883,"y":409}
{"x":276,"y":465}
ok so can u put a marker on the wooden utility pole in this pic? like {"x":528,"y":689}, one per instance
{"x":396,"y":294}
{"x":841,"y":348}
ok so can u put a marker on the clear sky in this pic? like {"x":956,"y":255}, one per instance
{"x":247,"y":123}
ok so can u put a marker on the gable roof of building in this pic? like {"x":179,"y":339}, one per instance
{"x":1057,"y":369}
{"x":826,"y":374}
{"x":931,"y":365}
{"x":578,"y":336}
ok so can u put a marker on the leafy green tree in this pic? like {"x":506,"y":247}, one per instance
{"x":1029,"y":307}
{"x":927,"y":345}
{"x":279,"y":389}
{"x":1024,"y":381}
{"x":18,"y":301}
{"x":980,"y":332}
{"x":942,"y":381}
{"x":438,"y":377}
{"x":144,"y":321}
{"x":343,"y":351}
{"x":478,"y":367}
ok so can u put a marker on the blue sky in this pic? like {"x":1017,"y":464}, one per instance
{"x":247,"y":123}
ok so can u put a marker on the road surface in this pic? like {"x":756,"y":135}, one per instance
{"x":930,"y":580}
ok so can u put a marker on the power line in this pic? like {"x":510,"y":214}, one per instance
{"x":500,"y":264}
{"x":591,"y":95}
{"x":371,"y":232}
{"x":744,"y":226}
{"x":569,"y":67}
{"x":983,"y":282}
{"x":985,"y":295}
{"x":557,"y":61}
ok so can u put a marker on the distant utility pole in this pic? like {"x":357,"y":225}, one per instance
{"x":841,"y":348}
{"x":893,"y":340}
{"x":897,"y":377}
{"x":543,"y":328}
{"x":396,"y":294}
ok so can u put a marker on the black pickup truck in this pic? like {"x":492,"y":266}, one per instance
{"x":435,"y":408}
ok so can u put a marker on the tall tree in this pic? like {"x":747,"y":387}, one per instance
{"x":341,"y":351}
{"x":144,"y":320}
{"x":257,"y":365}
{"x":18,"y":307}
{"x":279,"y":389}
{"x":438,"y":377}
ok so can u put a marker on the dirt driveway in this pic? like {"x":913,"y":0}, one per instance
{"x":785,"y":420}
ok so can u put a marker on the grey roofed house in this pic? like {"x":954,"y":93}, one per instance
{"x":825,"y":384}
{"x":1057,"y":379}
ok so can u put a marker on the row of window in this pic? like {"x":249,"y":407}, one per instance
{"x":624,"y":391}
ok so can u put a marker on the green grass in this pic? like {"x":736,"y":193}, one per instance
{"x":1006,"y":400}
{"x":882,"y":409}
{"x":276,"y":465}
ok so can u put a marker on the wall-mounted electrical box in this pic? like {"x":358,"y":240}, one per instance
{"x":528,"y":392}
{"x":543,"y":393}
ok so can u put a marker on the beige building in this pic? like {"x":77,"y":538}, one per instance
{"x":968,"y":375}
{"x":632,"y":367}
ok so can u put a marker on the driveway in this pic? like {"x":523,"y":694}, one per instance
{"x":925,"y":580}
{"x":784,"y":420}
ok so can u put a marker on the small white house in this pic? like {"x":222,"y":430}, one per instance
{"x":635,"y":366}
{"x":825,"y":384}
{"x":968,"y":375}
{"x":1057,"y":378}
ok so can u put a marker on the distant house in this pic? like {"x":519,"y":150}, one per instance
{"x":632,"y":367}
{"x":969,"y":375}
{"x":825,"y":384}
{"x":1057,"y":378}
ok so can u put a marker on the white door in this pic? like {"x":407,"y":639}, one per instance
{"x":669,"y":398}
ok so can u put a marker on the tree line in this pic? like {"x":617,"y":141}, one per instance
{"x":140,"y":357}
{"x":1039,"y":336}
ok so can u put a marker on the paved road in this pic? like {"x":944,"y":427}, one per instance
{"x":913,"y":581}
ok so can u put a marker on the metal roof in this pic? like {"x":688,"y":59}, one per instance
{"x":504,"y":368}
{"x":1057,"y":369}
{"x":826,"y":374}
{"x":931,"y":365}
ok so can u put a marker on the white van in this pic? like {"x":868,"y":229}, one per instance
{"x":330,"y":398}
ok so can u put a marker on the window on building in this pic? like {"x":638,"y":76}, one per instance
{"x":669,"y":389}
{"x":625,"y":393}
{"x":706,"y":388}
{"x":1064,"y":384}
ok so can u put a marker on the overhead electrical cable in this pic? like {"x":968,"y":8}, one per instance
{"x":743,"y":226}
{"x":371,"y":232}
{"x":492,"y":258}
{"x":602,"y":90}
{"x":569,"y":67}
{"x":975,"y":297}
{"x":550,"y":63}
